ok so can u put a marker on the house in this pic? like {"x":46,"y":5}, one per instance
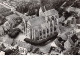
{"x":6,"y":26}
{"x":14,"y":20}
{"x":21,"y":43}
{"x":4,"y":12}
{"x":74,"y":9}
{"x":3,"y":9}
{"x":22,"y":51}
{"x":70,"y":42}
{"x":76,"y":17}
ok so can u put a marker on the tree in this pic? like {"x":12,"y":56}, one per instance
{"x":22,"y":7}
{"x":31,"y":8}
{"x":52,"y":3}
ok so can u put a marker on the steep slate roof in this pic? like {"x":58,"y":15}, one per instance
{"x":43,"y":26}
{"x":37,"y":27}
{"x":51,"y":12}
{"x":37,"y":21}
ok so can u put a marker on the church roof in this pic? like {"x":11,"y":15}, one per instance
{"x":37,"y":21}
{"x":51,"y":12}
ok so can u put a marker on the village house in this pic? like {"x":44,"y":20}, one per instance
{"x":75,"y":18}
{"x":12,"y":21}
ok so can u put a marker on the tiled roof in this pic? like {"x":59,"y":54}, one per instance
{"x":3,"y":9}
{"x":14,"y":20}
{"x":13,"y":16}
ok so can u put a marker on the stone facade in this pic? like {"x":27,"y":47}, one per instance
{"x":43,"y":26}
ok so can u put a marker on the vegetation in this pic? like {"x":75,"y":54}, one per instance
{"x":28,"y":7}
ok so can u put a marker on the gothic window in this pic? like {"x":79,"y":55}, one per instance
{"x":40,"y":38}
{"x":51,"y":29}
{"x":37,"y":38}
{"x":52,"y":17}
{"x":47,"y":30}
{"x":54,"y":28}
{"x":51,"y":24}
{"x":40,"y":33}
{"x":50,"y":33}
{"x":44,"y":37}
{"x":26,"y":24}
{"x":44,"y":32}
{"x":47,"y":35}
{"x":48,"y":19}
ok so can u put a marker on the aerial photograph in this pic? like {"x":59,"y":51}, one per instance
{"x":39,"y":27}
